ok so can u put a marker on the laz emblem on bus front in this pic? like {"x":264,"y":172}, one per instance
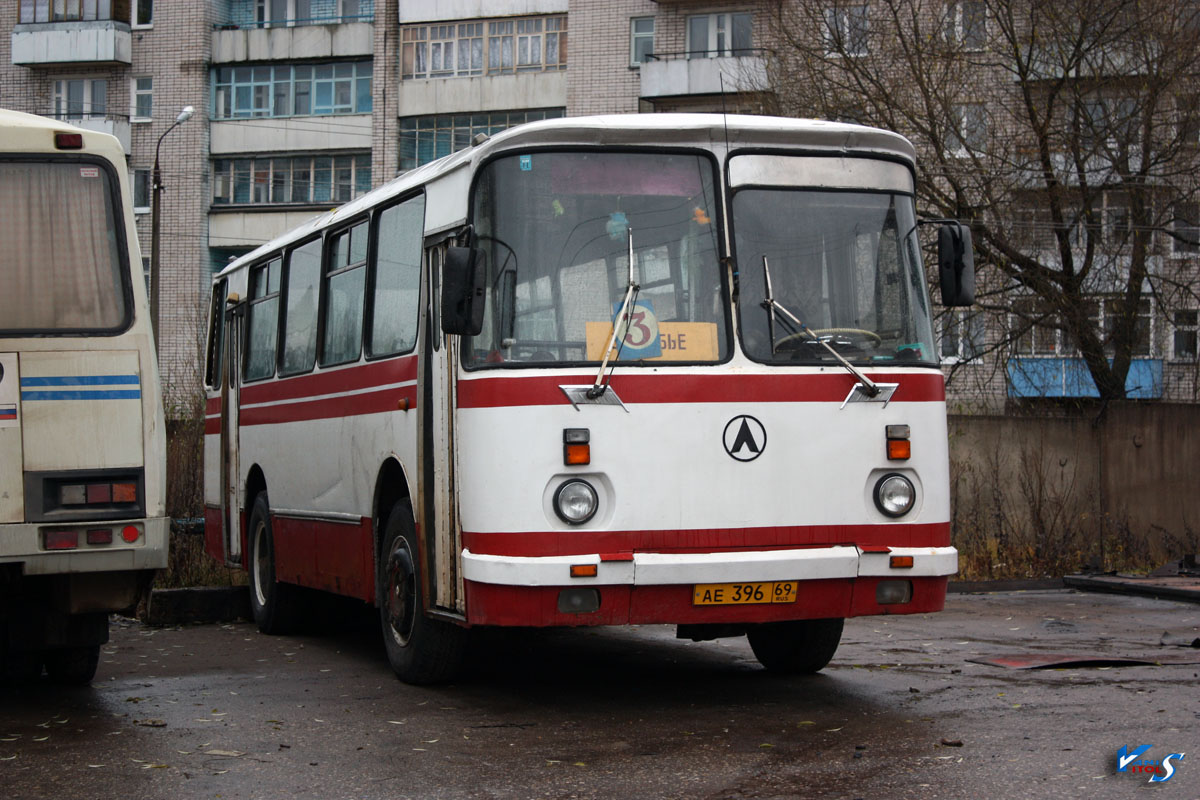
{"x":745,"y":438}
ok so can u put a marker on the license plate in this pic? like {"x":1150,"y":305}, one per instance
{"x":738,"y":594}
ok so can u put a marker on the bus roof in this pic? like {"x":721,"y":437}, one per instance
{"x":660,"y":130}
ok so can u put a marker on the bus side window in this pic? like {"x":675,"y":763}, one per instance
{"x":216,"y":329}
{"x":396,"y":285}
{"x":263,"y":325}
{"x":345,"y":276}
{"x":300,"y":308}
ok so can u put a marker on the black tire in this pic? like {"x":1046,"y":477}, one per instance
{"x":801,"y":647}
{"x":276,"y":606}
{"x":421,"y":650}
{"x":72,"y":666}
{"x":21,"y":666}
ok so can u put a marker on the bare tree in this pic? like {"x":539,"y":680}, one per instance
{"x":1065,"y":132}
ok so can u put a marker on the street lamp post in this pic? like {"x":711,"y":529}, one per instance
{"x":156,"y":188}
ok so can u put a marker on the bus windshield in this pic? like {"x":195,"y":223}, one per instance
{"x":556,"y":229}
{"x":60,"y":260}
{"x":843,"y":263}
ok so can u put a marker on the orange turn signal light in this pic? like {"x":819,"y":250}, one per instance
{"x":901,"y":562}
{"x":899,"y":449}
{"x":577,"y":454}
{"x":577,"y":451}
{"x":584,"y":570}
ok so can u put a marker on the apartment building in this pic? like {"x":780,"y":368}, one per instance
{"x":300,"y":105}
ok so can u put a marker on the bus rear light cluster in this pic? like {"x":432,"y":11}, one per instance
{"x":69,"y":538}
{"x":68,"y":141}
{"x":90,"y":494}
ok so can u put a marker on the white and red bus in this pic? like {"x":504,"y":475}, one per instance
{"x":83,"y":526}
{"x":595,"y":371}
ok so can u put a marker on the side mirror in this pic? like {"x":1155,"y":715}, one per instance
{"x":463,"y":292}
{"x":956,"y":264}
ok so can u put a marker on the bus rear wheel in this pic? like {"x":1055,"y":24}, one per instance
{"x":72,"y":666}
{"x":275,"y":606}
{"x":420,"y":649}
{"x":799,"y":647}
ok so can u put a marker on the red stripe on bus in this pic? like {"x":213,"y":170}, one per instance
{"x":397,"y":399}
{"x":577,"y":542}
{"x":503,"y":392}
{"x":347,"y":379}
{"x":537,"y":606}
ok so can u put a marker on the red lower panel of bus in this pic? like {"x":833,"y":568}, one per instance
{"x":489,"y":604}
{"x":336,"y":558}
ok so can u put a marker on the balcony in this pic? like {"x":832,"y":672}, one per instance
{"x":111,"y":124}
{"x":1030,"y":377}
{"x":677,"y":75}
{"x":44,"y":44}
{"x":338,"y":39}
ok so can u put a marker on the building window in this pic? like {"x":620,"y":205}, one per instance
{"x":966,"y":24}
{"x":715,"y":35}
{"x":968,"y":129}
{"x":292,"y":90}
{"x":141,"y":90}
{"x":1033,"y":327}
{"x":641,"y":40}
{"x":1104,"y":314}
{"x":141,"y":191}
{"x":273,"y":13}
{"x":1186,"y":323}
{"x":69,"y":10}
{"x":479,"y":47}
{"x":291,"y":180}
{"x":143,"y":13}
{"x":1185,"y":229}
{"x":962,"y":335}
{"x":80,"y":98}
{"x":846,"y":30}
{"x":423,"y":139}
{"x":350,"y":10}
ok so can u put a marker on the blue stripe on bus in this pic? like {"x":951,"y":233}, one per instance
{"x":81,"y":380}
{"x":93,"y":394}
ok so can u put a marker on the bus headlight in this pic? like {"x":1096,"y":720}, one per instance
{"x":575,"y":502}
{"x":895,"y":495}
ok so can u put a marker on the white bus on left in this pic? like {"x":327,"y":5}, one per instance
{"x":83,"y":526}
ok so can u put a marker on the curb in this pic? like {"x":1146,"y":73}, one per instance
{"x":1184,"y":589}
{"x":197,"y":605}
{"x":1022,"y":585}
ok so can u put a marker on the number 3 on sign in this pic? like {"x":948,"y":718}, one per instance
{"x":640,"y":331}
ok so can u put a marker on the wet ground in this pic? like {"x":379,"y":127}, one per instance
{"x":220,"y":711}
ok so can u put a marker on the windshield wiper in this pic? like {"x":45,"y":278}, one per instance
{"x":631,"y":290}
{"x":869,"y":387}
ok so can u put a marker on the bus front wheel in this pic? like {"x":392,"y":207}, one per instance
{"x":274,"y":605}
{"x":420,"y":649}
{"x":799,"y":647}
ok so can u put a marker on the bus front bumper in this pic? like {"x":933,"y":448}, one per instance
{"x":650,"y":588}
{"x":657,"y":569}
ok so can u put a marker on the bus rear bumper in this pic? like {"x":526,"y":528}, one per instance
{"x":642,"y":588}
{"x":25,"y":543}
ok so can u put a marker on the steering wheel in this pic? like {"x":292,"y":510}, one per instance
{"x":802,"y":336}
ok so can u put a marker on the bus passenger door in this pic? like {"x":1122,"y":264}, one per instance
{"x":231,"y":484}
{"x":438,"y":522}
